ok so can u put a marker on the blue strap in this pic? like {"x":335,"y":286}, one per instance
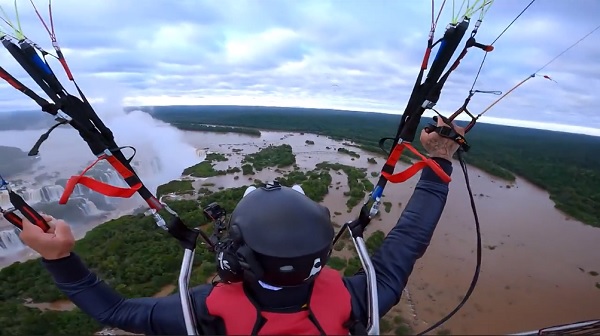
{"x":3,"y":183}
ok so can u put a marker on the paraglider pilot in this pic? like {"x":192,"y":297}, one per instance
{"x":271,"y":264}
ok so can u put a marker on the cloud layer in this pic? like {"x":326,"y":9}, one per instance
{"x":353,"y":54}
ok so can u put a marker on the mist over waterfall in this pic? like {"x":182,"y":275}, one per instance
{"x":161,"y":148}
{"x":161,"y":155}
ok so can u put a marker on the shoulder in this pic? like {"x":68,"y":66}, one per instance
{"x":199,"y":295}
{"x":210,"y":325}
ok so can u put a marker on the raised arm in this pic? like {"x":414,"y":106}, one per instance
{"x":404,"y":244}
{"x":409,"y":239}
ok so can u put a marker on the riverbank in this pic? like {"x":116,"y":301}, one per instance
{"x":500,"y":150}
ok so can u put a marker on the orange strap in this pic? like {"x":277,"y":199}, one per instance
{"x":101,"y":187}
{"x":412,"y":170}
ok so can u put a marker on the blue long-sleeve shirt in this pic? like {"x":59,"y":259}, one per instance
{"x":393,"y":263}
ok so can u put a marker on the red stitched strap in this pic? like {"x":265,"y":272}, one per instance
{"x":101,"y":187}
{"x":33,"y":216}
{"x":412,"y":170}
{"x":97,"y":186}
{"x":12,"y":218}
{"x":119,"y":167}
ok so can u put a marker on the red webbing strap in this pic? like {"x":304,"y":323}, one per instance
{"x":12,"y":218}
{"x":27,"y":211}
{"x":412,"y":170}
{"x":101,"y":187}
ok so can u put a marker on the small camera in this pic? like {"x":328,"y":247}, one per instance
{"x":214,"y":212}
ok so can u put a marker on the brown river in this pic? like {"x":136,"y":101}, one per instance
{"x":538,"y":266}
{"x":536,"y":262}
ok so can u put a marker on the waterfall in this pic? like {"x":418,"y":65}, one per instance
{"x":10,"y":242}
{"x":51,"y":193}
{"x":80,"y":191}
{"x":31,"y":196}
{"x":4,"y":200}
{"x":156,"y":165}
{"x":149,"y":168}
{"x":46,"y":194}
{"x":201,"y":153}
{"x":87,"y":207}
{"x":113,"y":178}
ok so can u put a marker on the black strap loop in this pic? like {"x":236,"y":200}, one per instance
{"x":450,"y":133}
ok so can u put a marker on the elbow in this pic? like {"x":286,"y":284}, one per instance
{"x":391,"y":280}
{"x":388,"y":295}
{"x":109,"y":317}
{"x":125,"y":318}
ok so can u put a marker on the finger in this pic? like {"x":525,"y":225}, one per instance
{"x":46,"y":217}
{"x":458,"y":129}
{"x":52,"y":225}
{"x":30,"y":227}
{"x":62,"y":229}
{"x":32,"y":234}
{"x":454,"y":125}
{"x":441,"y":121}
{"x":423,"y":135}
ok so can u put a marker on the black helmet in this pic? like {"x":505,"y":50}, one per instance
{"x":289,"y":234}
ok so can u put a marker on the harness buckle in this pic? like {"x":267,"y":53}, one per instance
{"x":446,"y":132}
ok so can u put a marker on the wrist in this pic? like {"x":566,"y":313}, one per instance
{"x":56,"y":256}
{"x":441,"y":156}
{"x":430,"y":175}
{"x":66,"y":270}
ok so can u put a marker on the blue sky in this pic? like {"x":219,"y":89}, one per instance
{"x":352,"y":54}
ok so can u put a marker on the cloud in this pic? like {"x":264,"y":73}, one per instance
{"x":315,"y":53}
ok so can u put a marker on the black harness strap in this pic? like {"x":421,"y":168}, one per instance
{"x":30,"y":68}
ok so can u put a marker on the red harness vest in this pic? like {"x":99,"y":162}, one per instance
{"x":330,"y":304}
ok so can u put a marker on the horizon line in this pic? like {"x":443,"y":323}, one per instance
{"x":538,"y":125}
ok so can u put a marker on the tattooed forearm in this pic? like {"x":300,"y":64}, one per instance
{"x":438,"y":147}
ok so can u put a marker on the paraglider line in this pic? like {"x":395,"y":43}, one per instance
{"x":495,"y":40}
{"x":569,"y":48}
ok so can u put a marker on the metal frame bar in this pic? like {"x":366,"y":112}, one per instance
{"x":185,"y":273}
{"x":373,"y":299}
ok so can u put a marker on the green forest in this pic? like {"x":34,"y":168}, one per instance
{"x":206,"y":167}
{"x":564,"y":164}
{"x":218,"y":129}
